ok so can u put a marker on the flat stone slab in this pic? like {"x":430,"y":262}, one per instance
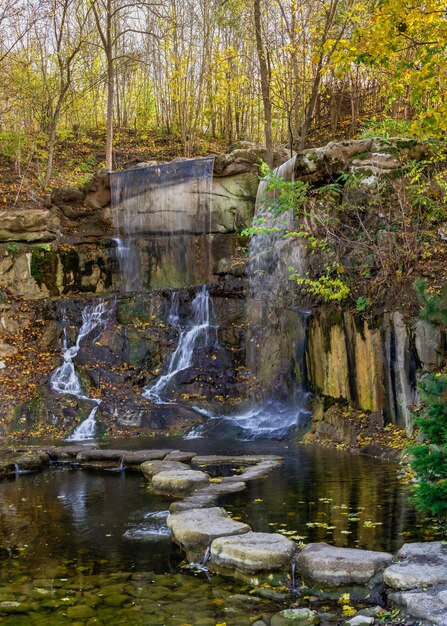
{"x":100,"y":455}
{"x":194,"y":501}
{"x":421,"y":565}
{"x":178,"y":455}
{"x":430,"y":606}
{"x":136,"y":457}
{"x":195,"y":529}
{"x":150,"y":468}
{"x":178,"y":482}
{"x":334,"y":567}
{"x":220,"y":489}
{"x":220,"y":459}
{"x":253,"y":552}
{"x":64,"y":453}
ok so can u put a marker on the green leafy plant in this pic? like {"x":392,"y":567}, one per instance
{"x":430,"y":457}
{"x":281,"y":195}
{"x":362,"y":303}
{"x":386,"y":127}
{"x":329,"y":286}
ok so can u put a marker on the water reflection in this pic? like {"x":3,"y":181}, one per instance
{"x":95,"y":519}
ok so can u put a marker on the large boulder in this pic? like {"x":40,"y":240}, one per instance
{"x":328,"y":566}
{"x":195,"y":529}
{"x":253,"y":552}
{"x":420,"y":565}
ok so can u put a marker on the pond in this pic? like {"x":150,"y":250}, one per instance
{"x":92,"y":547}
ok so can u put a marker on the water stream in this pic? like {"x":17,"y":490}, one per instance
{"x":198,"y":333}
{"x":65,"y":379}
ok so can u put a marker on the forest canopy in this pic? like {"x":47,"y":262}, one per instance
{"x":276,"y":71}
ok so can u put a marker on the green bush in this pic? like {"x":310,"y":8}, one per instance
{"x":430,"y":457}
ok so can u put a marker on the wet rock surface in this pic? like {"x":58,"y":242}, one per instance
{"x":429,"y":606}
{"x":196,"y":528}
{"x":329,"y":566}
{"x":151,"y":468}
{"x":178,"y":483}
{"x":419,"y":581}
{"x":420,"y":565}
{"x":253,"y":552}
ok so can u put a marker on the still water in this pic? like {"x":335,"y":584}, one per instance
{"x":92,"y":547}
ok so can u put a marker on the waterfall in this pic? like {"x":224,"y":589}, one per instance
{"x":153,"y":208}
{"x":65,"y":378}
{"x":282,"y":411}
{"x":199,"y":333}
{"x":265,"y":247}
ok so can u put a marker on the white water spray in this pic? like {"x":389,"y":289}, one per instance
{"x":200,"y":334}
{"x":65,"y":378}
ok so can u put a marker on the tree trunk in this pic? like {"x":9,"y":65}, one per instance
{"x":265,"y":84}
{"x":110,"y":98}
{"x":52,"y":138}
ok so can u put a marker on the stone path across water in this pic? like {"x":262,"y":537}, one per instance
{"x":416,"y":583}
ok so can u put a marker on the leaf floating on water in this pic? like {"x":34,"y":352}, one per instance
{"x":258,"y":500}
{"x":369,"y":524}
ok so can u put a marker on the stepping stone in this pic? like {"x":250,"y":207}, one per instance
{"x":421,"y":565}
{"x":429,"y":606}
{"x":136,"y":457}
{"x":150,"y":468}
{"x":333,"y":567}
{"x":253,"y":552}
{"x":178,"y":455}
{"x":178,"y":482}
{"x":100,"y":455}
{"x":195,"y":529}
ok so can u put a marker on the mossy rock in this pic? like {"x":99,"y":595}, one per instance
{"x":43,"y":267}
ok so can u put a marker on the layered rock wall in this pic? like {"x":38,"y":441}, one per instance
{"x":372,"y":364}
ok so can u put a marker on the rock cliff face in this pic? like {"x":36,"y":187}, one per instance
{"x":53,"y":255}
{"x":372,"y":364}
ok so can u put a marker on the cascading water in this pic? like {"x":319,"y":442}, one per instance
{"x":265,"y":247}
{"x":278,"y":414}
{"x":200,"y":333}
{"x":65,"y":378}
{"x":156,"y":209}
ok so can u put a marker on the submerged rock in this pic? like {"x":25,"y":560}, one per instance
{"x":295,"y":617}
{"x":329,"y":566}
{"x":195,"y":529}
{"x":253,"y":552}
